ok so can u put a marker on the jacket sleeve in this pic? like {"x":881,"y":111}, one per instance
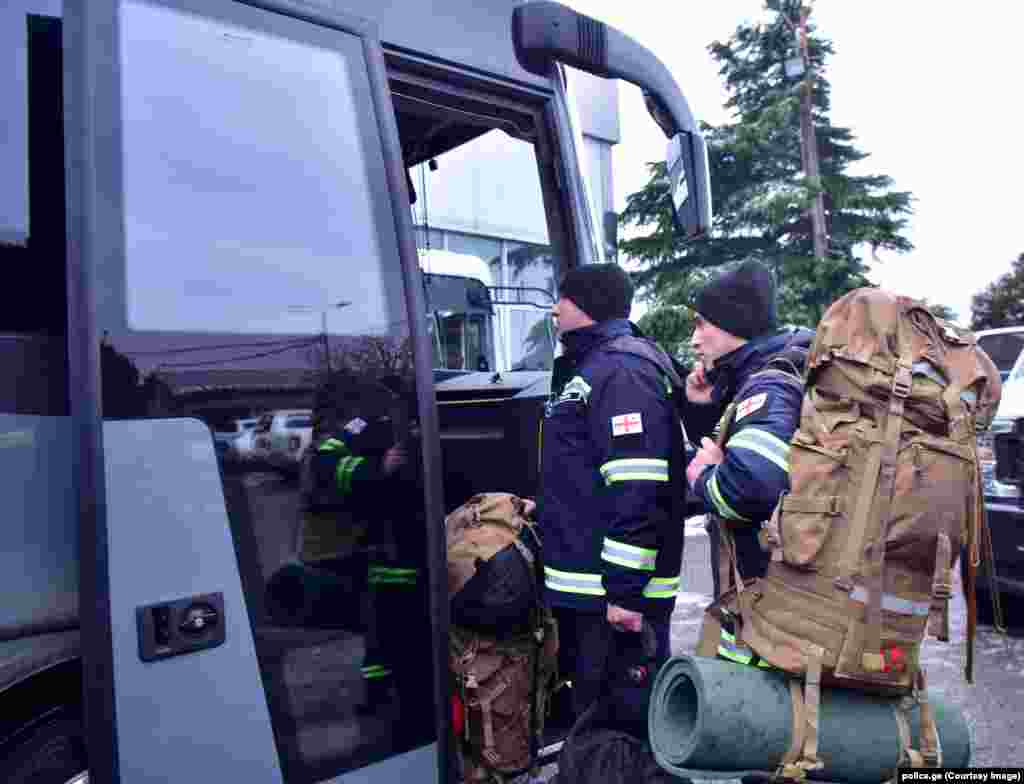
{"x":335,"y":466}
{"x":755,"y":471}
{"x":631,"y":421}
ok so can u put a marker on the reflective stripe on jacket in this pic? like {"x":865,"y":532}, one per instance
{"x":605,"y":504}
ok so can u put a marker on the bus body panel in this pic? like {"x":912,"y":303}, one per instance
{"x":159,"y":475}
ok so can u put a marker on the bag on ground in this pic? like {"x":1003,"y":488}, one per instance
{"x":503,"y":641}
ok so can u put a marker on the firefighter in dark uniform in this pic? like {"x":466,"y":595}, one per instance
{"x":612,"y":553}
{"x":370,"y":464}
{"x":735,"y":336}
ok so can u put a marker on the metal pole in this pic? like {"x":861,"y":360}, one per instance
{"x":327,"y":344}
{"x":809,"y":144}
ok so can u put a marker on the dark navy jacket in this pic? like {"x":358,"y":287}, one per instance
{"x":746,"y":486}
{"x":605,"y":501}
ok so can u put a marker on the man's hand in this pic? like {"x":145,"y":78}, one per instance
{"x":708,"y":454}
{"x":394,"y":458}
{"x":624,"y":620}
{"x":529,"y":507}
{"x":698,"y":389}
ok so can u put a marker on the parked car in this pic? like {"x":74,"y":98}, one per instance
{"x":1002,"y":487}
{"x":282,"y":437}
{"x":1003,"y":345}
{"x":225,"y":433}
{"x":240,"y":449}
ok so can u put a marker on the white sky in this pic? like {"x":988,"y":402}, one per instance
{"x":931,"y":90}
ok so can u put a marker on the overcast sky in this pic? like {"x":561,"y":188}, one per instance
{"x":931,"y":90}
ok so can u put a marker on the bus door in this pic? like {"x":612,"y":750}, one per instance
{"x":242,"y":241}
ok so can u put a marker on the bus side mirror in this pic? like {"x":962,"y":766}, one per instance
{"x":686,"y":161}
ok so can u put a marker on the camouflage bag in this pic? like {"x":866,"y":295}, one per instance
{"x":884,"y":488}
{"x":503,"y":641}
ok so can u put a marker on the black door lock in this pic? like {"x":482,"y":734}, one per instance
{"x":186,"y":625}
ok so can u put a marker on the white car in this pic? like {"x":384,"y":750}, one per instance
{"x":225,"y":433}
{"x":282,"y":437}
{"x":241,"y":448}
{"x":1004,"y":348}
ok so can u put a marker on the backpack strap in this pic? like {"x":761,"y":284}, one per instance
{"x":878,"y":487}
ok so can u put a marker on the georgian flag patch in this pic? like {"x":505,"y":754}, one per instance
{"x":627,"y":424}
{"x":356,"y":426}
{"x":750,"y":405}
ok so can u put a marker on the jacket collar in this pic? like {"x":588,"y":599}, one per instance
{"x":736,"y":367}
{"x":580,"y":341}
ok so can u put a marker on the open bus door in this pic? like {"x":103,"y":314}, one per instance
{"x":234,"y":178}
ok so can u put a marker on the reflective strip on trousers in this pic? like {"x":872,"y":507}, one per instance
{"x":662,"y":587}
{"x":741,"y":654}
{"x":392,"y":575}
{"x":573,"y":582}
{"x":894,"y":604}
{"x":375,"y":671}
{"x":762,"y":443}
{"x":629,"y":556}
{"x":634,"y":469}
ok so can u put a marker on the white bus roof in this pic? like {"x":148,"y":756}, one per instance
{"x":444,"y":262}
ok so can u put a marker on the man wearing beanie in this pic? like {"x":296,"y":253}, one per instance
{"x":735,"y":337}
{"x":612,"y":552}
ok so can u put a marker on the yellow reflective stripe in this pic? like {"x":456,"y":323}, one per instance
{"x":763,"y":443}
{"x":332,"y":445}
{"x":741,"y":654}
{"x":662,"y":587}
{"x":632,"y":469}
{"x":629,"y":556}
{"x":716,"y":498}
{"x":346,"y":468}
{"x":573,"y":582}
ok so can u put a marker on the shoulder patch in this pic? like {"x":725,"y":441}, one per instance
{"x":576,"y":391}
{"x":356,"y":426}
{"x":627,"y":424}
{"x":750,"y":405}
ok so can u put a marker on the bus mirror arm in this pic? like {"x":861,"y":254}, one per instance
{"x":545,"y":32}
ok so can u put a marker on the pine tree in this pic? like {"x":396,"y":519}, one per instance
{"x":1001,"y":304}
{"x":759,"y":192}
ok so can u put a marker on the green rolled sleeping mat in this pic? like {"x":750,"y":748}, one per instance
{"x":711,"y":718}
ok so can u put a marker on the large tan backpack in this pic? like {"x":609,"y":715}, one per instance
{"x":503,"y":642}
{"x":884,"y":488}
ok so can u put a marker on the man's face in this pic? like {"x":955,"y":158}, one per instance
{"x":568,"y":316}
{"x":710,"y":342}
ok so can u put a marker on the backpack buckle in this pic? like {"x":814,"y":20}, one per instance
{"x":902,"y":381}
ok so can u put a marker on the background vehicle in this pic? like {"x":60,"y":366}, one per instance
{"x":226,"y":433}
{"x":1003,"y":345}
{"x":1002,"y":485}
{"x":242,"y":448}
{"x":190,"y":171}
{"x":1004,"y":348}
{"x":289,"y":435}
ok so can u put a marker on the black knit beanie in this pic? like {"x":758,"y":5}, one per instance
{"x":741,"y":301}
{"x":602,"y":291}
